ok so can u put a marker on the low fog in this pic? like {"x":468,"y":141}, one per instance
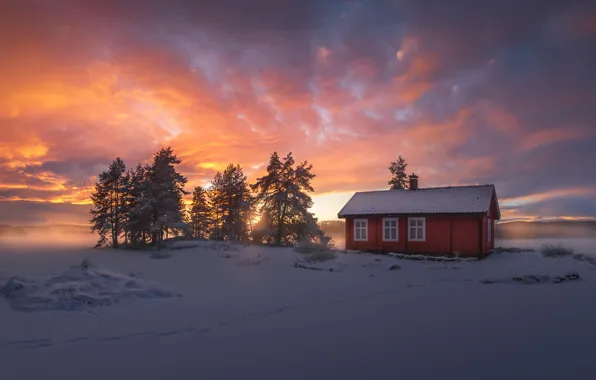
{"x":47,"y":241}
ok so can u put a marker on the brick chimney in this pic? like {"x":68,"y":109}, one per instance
{"x":413,"y":182}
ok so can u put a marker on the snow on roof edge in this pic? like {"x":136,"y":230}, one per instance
{"x":427,"y":188}
{"x":348,"y":209}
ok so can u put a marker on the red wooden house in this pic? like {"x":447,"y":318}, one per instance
{"x":437,"y":220}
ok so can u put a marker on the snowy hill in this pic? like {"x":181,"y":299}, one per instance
{"x":253,"y":313}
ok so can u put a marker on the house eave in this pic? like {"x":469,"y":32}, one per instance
{"x":343,"y":216}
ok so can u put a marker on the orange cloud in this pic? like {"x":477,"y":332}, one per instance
{"x":532,"y":198}
{"x":323,"y":54}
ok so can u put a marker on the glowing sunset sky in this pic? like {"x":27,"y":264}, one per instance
{"x":499,"y":92}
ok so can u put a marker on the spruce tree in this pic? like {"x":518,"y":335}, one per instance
{"x":284,"y":198}
{"x":108,"y":218}
{"x":399,"y":178}
{"x":139,"y":208}
{"x":101,"y":210}
{"x":215,"y":195}
{"x":234,"y":201}
{"x":199,"y":216}
{"x":166,"y":193}
{"x":126,"y":201}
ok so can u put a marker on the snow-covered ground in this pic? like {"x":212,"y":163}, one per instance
{"x":250,"y":313}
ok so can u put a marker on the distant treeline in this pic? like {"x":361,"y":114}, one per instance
{"x":145,"y":205}
{"x":510,"y":230}
{"x":333,"y":227}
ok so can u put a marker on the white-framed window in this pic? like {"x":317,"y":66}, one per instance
{"x":489,"y":230}
{"x":360,"y":229}
{"x":390,"y":229}
{"x":416,"y":229}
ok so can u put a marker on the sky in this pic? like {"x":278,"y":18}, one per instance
{"x":469,"y":92}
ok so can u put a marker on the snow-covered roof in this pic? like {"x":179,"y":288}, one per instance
{"x":433,"y":200}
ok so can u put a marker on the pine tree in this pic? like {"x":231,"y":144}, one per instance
{"x":215,"y":195}
{"x":166,"y":193}
{"x":283,"y":196}
{"x":231,"y":204}
{"x":101,"y":210}
{"x":199,"y":216}
{"x":139,"y":208}
{"x":399,"y":178}
{"x":108,"y":218}
{"x":125,"y":204}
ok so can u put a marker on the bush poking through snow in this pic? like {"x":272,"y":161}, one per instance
{"x":405,"y":256}
{"x":86,"y":264}
{"x":308,"y":247}
{"x":318,"y":257}
{"x":534,"y":279}
{"x":395,"y":267}
{"x":584,"y":257}
{"x":556,"y":250}
{"x":512,"y":250}
{"x":161,"y":254}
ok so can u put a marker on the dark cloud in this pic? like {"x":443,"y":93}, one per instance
{"x":563,"y":165}
{"x":76,"y":169}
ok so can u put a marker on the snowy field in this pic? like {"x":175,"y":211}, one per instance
{"x":225,"y":312}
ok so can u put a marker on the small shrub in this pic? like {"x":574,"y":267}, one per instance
{"x":310,"y":248}
{"x":318,"y":257}
{"x":395,"y":267}
{"x":556,"y":250}
{"x":86,"y":263}
{"x":512,"y":250}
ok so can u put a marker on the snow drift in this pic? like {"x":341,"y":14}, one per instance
{"x":78,"y":287}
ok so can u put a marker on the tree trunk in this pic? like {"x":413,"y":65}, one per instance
{"x":280,"y":225}
{"x":116,"y":218}
{"x":281,"y":219}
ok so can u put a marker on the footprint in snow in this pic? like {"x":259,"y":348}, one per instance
{"x":29,"y":343}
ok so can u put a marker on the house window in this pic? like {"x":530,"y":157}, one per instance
{"x":390,"y":229}
{"x":489,"y":230}
{"x":417,"y":229}
{"x":360,"y":229}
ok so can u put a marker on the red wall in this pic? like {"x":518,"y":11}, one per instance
{"x":444,"y":235}
{"x":466,"y":235}
{"x":488,"y":245}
